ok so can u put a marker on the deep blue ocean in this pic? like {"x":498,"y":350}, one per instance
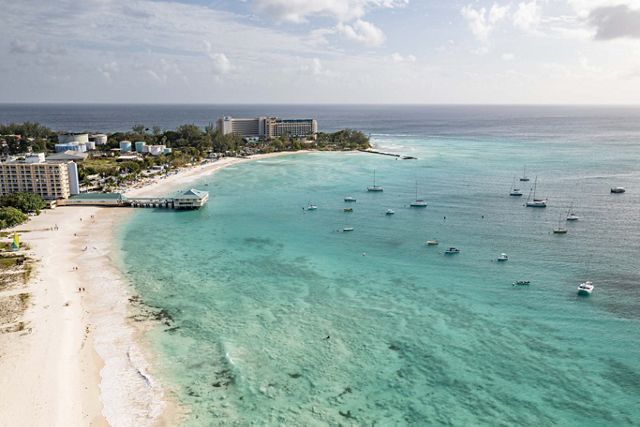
{"x":279,"y":318}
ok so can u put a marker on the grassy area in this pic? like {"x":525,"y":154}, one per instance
{"x":101,"y":165}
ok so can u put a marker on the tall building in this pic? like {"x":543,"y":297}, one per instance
{"x":52,"y":180}
{"x":267,"y":127}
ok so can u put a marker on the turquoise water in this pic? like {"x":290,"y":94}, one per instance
{"x":254,"y":286}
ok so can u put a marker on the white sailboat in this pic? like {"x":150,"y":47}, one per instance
{"x":536,"y":203}
{"x":374,"y":187}
{"x":571,"y":215}
{"x":419,"y":203}
{"x":524,"y":174}
{"x":515,"y":191}
{"x":560,"y":229}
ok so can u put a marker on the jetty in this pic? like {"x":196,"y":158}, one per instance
{"x":190,"y":199}
{"x":382,"y":153}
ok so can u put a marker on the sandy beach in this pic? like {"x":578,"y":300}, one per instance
{"x":78,"y":361}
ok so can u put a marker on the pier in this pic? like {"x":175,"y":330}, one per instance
{"x":190,"y":199}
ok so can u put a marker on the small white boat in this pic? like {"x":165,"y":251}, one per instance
{"x":452,"y":251}
{"x":432,"y":242}
{"x":374,"y":187}
{"x":349,"y":199}
{"x":524,"y":175}
{"x":346,"y":229}
{"x":390,"y":212}
{"x":585,"y":288}
{"x":311,"y":207}
{"x":503,"y":257}
{"x":618,"y":190}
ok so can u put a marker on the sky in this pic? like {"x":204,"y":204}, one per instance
{"x":320,"y":51}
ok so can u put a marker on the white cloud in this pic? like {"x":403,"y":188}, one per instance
{"x":298,"y":11}
{"x":400,"y":59}
{"x":362,"y":32}
{"x":109,"y":69}
{"x":482,"y":22}
{"x":612,"y":22}
{"x":527,"y":16}
{"x":221,"y":64}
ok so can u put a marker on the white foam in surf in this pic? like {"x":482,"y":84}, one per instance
{"x":130,"y":395}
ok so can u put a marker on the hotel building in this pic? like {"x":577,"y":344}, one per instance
{"x":52,"y":180}
{"x":268,"y":127}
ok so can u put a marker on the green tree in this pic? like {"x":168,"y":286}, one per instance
{"x":10,"y":217}
{"x":25,"y":202}
{"x":138,"y":129}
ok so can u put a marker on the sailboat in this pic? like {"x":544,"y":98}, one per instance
{"x":571,"y":215}
{"x":514,"y":190}
{"x":524,"y":174}
{"x":419,"y":203}
{"x":536,"y":203}
{"x":375,"y":187}
{"x":560,"y":229}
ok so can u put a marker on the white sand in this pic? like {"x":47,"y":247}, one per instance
{"x":78,"y":361}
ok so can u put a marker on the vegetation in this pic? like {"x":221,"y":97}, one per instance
{"x":10,"y":217}
{"x":25,"y":202}
{"x":189,"y":143}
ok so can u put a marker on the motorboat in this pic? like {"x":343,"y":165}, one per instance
{"x":432,"y":242}
{"x":503,"y":257}
{"x":390,"y":212}
{"x":349,"y":199}
{"x":572,"y":217}
{"x":521,"y":283}
{"x":585,"y":288}
{"x":311,"y":207}
{"x":374,"y":187}
{"x":452,"y":251}
{"x":618,"y":190}
{"x":348,"y":209}
{"x":346,"y":229}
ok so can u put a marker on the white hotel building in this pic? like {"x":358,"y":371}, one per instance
{"x":50,"y":179}
{"x":268,"y":127}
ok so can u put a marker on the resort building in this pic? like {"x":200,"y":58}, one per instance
{"x":52,"y":180}
{"x":191,"y":199}
{"x":140,"y":146}
{"x":267,"y":127}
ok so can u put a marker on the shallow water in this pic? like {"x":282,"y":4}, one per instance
{"x":278,"y":318}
